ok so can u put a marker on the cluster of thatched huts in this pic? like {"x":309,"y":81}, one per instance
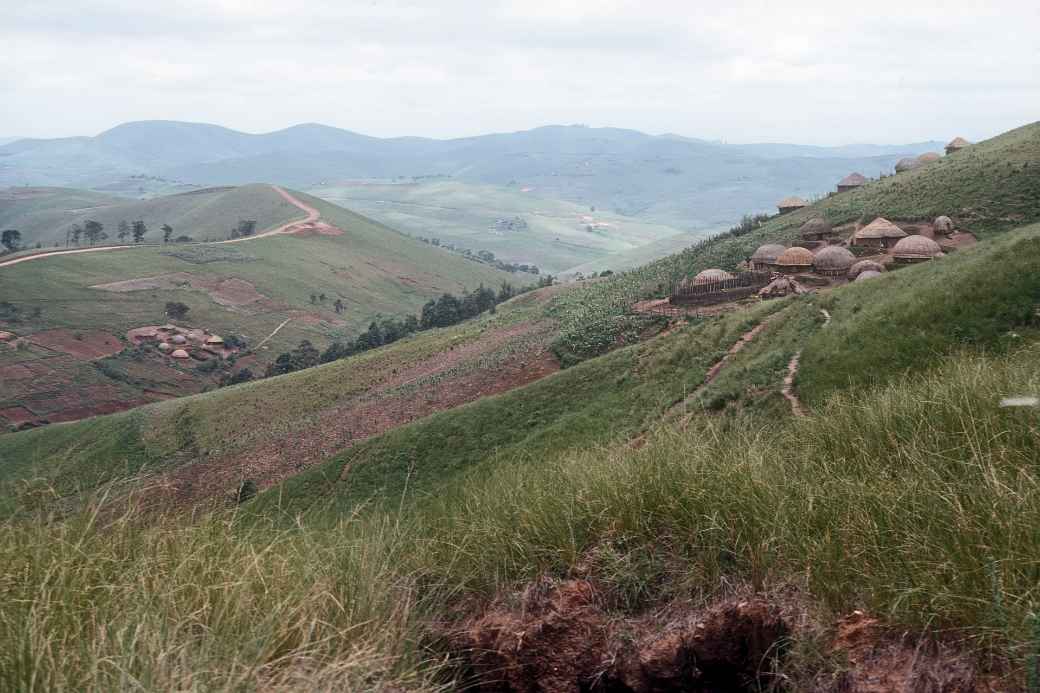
{"x":181,"y":343}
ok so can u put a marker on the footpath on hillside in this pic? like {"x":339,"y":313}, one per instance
{"x":311,"y":218}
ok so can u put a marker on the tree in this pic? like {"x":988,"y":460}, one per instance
{"x":11,"y":239}
{"x":139,"y":230}
{"x":93,"y":230}
{"x":246,"y":227}
{"x":176,"y":310}
{"x":77,"y":231}
{"x":167,"y":232}
{"x":124,"y":231}
{"x":338,"y":305}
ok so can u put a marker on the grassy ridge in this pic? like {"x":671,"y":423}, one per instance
{"x":205,"y":214}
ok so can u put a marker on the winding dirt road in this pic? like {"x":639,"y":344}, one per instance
{"x":312,"y":216}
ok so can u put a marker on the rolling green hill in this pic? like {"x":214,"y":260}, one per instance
{"x":249,"y":288}
{"x":44,"y":215}
{"x":587,"y":524}
{"x":552,"y":234}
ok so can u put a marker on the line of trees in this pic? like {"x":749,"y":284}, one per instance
{"x":93,"y":231}
{"x":444,"y":311}
{"x":485,"y":256}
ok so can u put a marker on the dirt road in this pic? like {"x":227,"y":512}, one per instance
{"x":312,"y":216}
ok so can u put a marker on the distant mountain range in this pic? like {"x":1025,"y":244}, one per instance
{"x":682,"y":181}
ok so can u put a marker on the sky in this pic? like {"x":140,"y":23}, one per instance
{"x":814,"y":73}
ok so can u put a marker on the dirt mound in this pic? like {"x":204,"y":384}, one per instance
{"x":84,"y":344}
{"x":879,"y":662}
{"x":560,"y":638}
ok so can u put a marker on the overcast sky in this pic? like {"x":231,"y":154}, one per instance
{"x":822,"y":73}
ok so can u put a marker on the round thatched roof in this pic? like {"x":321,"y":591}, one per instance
{"x":792,"y":202}
{"x":865,"y":266}
{"x":834,"y":257}
{"x":768,"y":253}
{"x":929,"y":157}
{"x":916,"y":247}
{"x":852,"y":180}
{"x":795,"y":257}
{"x":179,"y":354}
{"x":214,"y":339}
{"x":880,"y":228}
{"x":907,"y":164}
{"x":164,"y":346}
{"x":958,"y":143}
{"x":711,"y":275}
{"x":943,"y":224}
{"x":868,"y":274}
{"x":815,"y":227}
{"x":179,"y":339}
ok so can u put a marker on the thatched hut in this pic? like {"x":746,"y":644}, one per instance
{"x":864,"y":266}
{"x":851,"y":182}
{"x":916,"y":249}
{"x":943,"y":224}
{"x":869,"y":274}
{"x":880,"y":233}
{"x":929,"y":158}
{"x":791,"y":204}
{"x":165,"y":347}
{"x":957,"y":144}
{"x":815,"y":229}
{"x":765,"y":257}
{"x":214,"y":341}
{"x":795,"y":260}
{"x":179,"y":339}
{"x":833,"y":261}
{"x":907,"y":164}
{"x":180,"y":354}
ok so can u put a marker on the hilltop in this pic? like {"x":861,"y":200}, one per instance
{"x":455,"y":508}
{"x":682,"y":182}
{"x":45,"y":215}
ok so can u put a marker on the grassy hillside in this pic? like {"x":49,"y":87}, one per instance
{"x":558,"y":235}
{"x":43,"y":215}
{"x":370,"y":268}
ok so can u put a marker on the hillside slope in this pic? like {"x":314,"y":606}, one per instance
{"x":72,"y":313}
{"x":551,"y":234}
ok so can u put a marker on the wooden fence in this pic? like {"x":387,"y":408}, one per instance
{"x":743,"y":284}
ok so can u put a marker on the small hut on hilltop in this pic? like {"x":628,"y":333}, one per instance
{"x":865,"y":266}
{"x":833,"y":261}
{"x":943,"y":224}
{"x":929,"y":158}
{"x":795,"y":260}
{"x":816,"y":229}
{"x":868,"y":274}
{"x":880,"y":233}
{"x":791,"y":204}
{"x":957,"y":144}
{"x":907,"y":164}
{"x":851,"y":182}
{"x":180,"y":354}
{"x":916,"y":249}
{"x":765,"y":257}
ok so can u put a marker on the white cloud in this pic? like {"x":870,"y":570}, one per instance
{"x":818,"y":72}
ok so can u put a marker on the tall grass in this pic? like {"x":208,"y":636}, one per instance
{"x":919,"y":501}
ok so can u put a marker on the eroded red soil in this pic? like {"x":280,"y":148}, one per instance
{"x":83,"y":344}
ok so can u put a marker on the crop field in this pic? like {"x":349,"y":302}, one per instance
{"x":558,"y":235}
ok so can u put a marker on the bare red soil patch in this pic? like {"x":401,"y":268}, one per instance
{"x":561,"y":637}
{"x":17,"y":415}
{"x":86,"y":344}
{"x":315,"y":228}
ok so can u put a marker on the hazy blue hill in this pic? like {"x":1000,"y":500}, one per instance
{"x":680,"y":181}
